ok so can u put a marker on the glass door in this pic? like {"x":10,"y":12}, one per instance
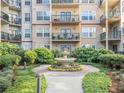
{"x":65,"y":32}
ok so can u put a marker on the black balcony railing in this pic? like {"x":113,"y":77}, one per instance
{"x":15,"y":4}
{"x":66,"y":18}
{"x":15,"y":20}
{"x":65,"y":36}
{"x":111,"y":36}
{"x":10,"y":37}
{"x":111,"y":14}
{"x":15,"y":37}
{"x":4,"y":16}
{"x":65,"y":1}
{"x":6,"y":1}
{"x":5,"y":36}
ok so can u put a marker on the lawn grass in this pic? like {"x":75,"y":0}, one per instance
{"x":26,"y":82}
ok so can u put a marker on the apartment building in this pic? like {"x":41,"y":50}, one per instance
{"x":10,"y":21}
{"x":112,"y":24}
{"x":60,"y":24}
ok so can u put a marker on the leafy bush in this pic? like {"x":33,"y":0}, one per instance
{"x":44,"y":55}
{"x":26,"y":82}
{"x":85,"y":54}
{"x":8,"y":48}
{"x":44,"y":84}
{"x":112,"y":60}
{"x":4,"y":84}
{"x":56,"y":53}
{"x":89,"y":54}
{"x":30,"y":56}
{"x":96,"y":83}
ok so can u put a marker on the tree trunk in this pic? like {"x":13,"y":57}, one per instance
{"x":25,"y":65}
{"x":14,"y":75}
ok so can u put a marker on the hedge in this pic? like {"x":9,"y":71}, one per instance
{"x":112,"y":60}
{"x":96,"y":83}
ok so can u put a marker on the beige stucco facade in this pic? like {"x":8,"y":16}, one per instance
{"x":64,"y":25}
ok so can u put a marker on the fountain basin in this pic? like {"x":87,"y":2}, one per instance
{"x":65,"y":62}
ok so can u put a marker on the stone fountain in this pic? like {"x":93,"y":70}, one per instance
{"x":65,"y":61}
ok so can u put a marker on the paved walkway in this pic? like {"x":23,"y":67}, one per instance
{"x":65,"y":82}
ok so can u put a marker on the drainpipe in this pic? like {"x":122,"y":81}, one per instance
{"x":107,"y":27}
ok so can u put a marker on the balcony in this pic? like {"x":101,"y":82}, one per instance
{"x":5,"y":2}
{"x":72,"y":37}
{"x":70,"y":19}
{"x":15,"y":21}
{"x":6,"y":37}
{"x":15,"y":5}
{"x":111,"y":3}
{"x":68,"y":3}
{"x":5,"y":17}
{"x":112,"y":36}
{"x":114,"y":16}
{"x":15,"y":38}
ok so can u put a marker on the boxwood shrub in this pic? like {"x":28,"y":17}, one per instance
{"x":44,"y":55}
{"x":96,"y":83}
{"x":112,"y":60}
{"x":89,"y":54}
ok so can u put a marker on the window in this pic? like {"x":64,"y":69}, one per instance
{"x":27,"y":33}
{"x":88,"y":1}
{"x":89,"y":32}
{"x":88,"y":15}
{"x":44,"y":32}
{"x":27,"y":2}
{"x":43,"y":1}
{"x":89,"y":46}
{"x":43,"y":15}
{"x":47,"y":46}
{"x":27,"y":17}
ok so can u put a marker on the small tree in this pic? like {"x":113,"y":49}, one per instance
{"x":30,"y":56}
{"x":15,"y":59}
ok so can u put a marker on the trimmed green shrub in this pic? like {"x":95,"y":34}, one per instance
{"x":85,"y":54}
{"x":96,"y":83}
{"x":4,"y":84}
{"x":8,"y":48}
{"x":112,"y":60}
{"x":30,"y":56}
{"x":89,"y":54}
{"x":26,"y":82}
{"x":44,"y":55}
{"x":44,"y":84}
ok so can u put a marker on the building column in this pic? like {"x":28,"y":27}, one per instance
{"x":107,"y":26}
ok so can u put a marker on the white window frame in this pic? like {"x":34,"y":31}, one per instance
{"x":90,"y":31}
{"x":88,"y":14}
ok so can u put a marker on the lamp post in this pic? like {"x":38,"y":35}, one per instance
{"x":38,"y":83}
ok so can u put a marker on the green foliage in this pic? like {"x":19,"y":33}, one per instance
{"x":26,"y":82}
{"x":8,"y":48}
{"x":85,"y":54}
{"x":44,"y":55}
{"x":44,"y":84}
{"x":112,"y":60}
{"x":96,"y":83}
{"x":4,"y":84}
{"x":65,"y":69}
{"x":56,"y":53}
{"x":9,"y":59}
{"x":30,"y":56}
{"x":89,"y":54}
